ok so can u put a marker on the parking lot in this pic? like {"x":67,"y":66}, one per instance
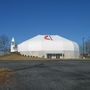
{"x":46,"y":75}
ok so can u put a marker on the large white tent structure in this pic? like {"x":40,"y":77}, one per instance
{"x":49,"y":46}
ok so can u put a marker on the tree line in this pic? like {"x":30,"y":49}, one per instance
{"x":87,"y":47}
{"x":4,"y":44}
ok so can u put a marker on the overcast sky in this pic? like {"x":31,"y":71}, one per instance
{"x":24,"y":19}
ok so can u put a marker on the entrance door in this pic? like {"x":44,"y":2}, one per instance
{"x":55,"y":56}
{"x":49,"y":56}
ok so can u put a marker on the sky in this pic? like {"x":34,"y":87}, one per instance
{"x":24,"y":19}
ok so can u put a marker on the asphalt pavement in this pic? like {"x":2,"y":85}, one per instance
{"x":46,"y":75}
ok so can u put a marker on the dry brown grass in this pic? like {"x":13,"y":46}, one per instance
{"x":15,"y":56}
{"x":5,"y":75}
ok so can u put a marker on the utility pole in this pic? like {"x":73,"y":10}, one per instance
{"x":83,"y":39}
{"x":86,"y":47}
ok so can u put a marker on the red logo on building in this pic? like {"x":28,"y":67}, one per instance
{"x":48,"y":37}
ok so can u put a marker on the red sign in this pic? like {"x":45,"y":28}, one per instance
{"x":47,"y":37}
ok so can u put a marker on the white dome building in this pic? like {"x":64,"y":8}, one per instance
{"x":49,"y":46}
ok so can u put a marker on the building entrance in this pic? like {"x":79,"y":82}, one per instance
{"x":55,"y":56}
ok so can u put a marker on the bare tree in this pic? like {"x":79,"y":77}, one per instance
{"x":88,"y":46}
{"x":4,"y":44}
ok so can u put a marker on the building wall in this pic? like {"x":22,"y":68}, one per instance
{"x":67,"y":54}
{"x":71,"y":54}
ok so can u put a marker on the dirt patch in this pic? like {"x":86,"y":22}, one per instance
{"x":5,"y":75}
